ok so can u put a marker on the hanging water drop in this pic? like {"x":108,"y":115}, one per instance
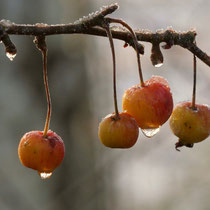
{"x":156,"y":55}
{"x":11,"y":56}
{"x":150,"y":132}
{"x":45,"y":175}
{"x":158,"y":64}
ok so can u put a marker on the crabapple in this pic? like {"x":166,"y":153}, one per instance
{"x":151,"y":104}
{"x":41,"y":153}
{"x":190,"y":125}
{"x":119,"y":132}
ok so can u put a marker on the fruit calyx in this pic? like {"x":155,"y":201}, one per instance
{"x":181,"y":144}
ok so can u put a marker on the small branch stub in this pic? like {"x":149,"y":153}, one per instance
{"x":40,"y":43}
{"x":10,"y":48}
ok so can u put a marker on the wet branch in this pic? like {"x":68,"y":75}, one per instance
{"x":92,"y":25}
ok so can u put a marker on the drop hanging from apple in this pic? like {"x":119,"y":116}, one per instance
{"x":42,"y":151}
{"x":189,"y":121}
{"x":150,"y":102}
{"x":117,"y":130}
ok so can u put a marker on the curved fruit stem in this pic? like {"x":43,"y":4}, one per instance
{"x":47,"y":122}
{"x":194,"y":82}
{"x":135,"y":41}
{"x":41,"y":45}
{"x":109,"y":34}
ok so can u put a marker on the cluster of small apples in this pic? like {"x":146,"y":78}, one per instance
{"x":146,"y":106}
{"x":149,"y":105}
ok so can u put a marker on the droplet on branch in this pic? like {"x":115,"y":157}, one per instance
{"x":11,"y":56}
{"x":156,"y":55}
{"x":11,"y":51}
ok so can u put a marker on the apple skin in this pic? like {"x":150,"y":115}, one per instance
{"x":40,"y":153}
{"x":191,"y":126}
{"x":150,"y":105}
{"x":118,"y":133}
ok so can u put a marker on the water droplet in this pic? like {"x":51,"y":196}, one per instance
{"x":11,"y":56}
{"x":150,"y":132}
{"x":45,"y":175}
{"x":158,"y":65}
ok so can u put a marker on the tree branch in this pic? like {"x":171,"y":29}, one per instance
{"x":92,"y":25}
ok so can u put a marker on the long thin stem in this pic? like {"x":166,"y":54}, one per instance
{"x":109,"y":34}
{"x":194,"y":82}
{"x":41,"y":45}
{"x":135,"y":41}
{"x":47,"y":122}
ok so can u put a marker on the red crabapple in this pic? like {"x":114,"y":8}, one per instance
{"x":119,"y":132}
{"x":42,"y":150}
{"x":190,"y":125}
{"x":41,"y":153}
{"x":151,"y":104}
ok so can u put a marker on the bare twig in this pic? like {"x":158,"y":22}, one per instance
{"x":92,"y":25}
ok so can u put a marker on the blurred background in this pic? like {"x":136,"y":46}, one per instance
{"x":150,"y":176}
